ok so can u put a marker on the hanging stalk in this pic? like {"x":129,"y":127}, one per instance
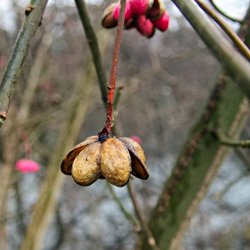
{"x":106,"y":131}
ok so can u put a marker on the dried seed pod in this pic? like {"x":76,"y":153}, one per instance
{"x":66,"y":165}
{"x":115,"y":162}
{"x":138,"y":158}
{"x":86,"y":167}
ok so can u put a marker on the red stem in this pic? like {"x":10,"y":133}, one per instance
{"x":112,"y":82}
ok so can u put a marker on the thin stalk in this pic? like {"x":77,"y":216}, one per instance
{"x":139,"y":214}
{"x":231,"y":143}
{"x":224,"y":14}
{"x":226,"y":28}
{"x":113,"y":75}
{"x":124,"y":211}
{"x":241,"y":144}
{"x":94,"y":47}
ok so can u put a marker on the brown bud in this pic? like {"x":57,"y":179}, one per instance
{"x":86,"y":167}
{"x":138,"y":158}
{"x":115,"y":162}
{"x":66,"y":165}
{"x":108,"y":20}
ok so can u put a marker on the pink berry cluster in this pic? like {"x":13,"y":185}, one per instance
{"x":144,"y":15}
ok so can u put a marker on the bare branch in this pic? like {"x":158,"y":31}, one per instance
{"x":227,"y":29}
{"x":19,"y":53}
{"x":224,"y":14}
{"x":94,"y":47}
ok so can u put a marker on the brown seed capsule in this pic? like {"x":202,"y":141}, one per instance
{"x":66,"y":165}
{"x":138,"y":159}
{"x":86,"y":167}
{"x":112,"y":159}
{"x":115,"y":162}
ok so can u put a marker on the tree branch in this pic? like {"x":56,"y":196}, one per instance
{"x":119,"y":203}
{"x":19,"y":53}
{"x":230,"y":143}
{"x":235,"y":65}
{"x":224,"y":14}
{"x":139,"y":214}
{"x":94,"y":47}
{"x":226,"y":28}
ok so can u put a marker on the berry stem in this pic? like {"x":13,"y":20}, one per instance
{"x":113,"y":75}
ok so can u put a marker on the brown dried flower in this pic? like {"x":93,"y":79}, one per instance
{"x":113,"y":159}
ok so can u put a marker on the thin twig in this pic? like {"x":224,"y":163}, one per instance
{"x":233,"y":62}
{"x":139,"y":214}
{"x":241,"y":144}
{"x":227,"y":29}
{"x":231,"y":143}
{"x":224,"y":14}
{"x":126,"y":214}
{"x":94,"y":47}
{"x":19,"y":53}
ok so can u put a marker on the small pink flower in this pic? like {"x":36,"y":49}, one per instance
{"x":162,"y":22}
{"x":136,"y":139}
{"x":27,"y":166}
{"x":140,"y":7}
{"x":145,"y":26}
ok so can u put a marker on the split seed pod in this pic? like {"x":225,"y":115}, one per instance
{"x":114,"y":159}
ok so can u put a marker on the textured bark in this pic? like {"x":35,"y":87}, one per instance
{"x":34,"y":13}
{"x":199,"y":161}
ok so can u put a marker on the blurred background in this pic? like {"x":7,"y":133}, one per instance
{"x":165,"y":82}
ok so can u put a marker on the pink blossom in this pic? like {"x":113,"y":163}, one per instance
{"x":136,"y":139}
{"x":27,"y":166}
{"x":145,"y":26}
{"x":162,"y":22}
